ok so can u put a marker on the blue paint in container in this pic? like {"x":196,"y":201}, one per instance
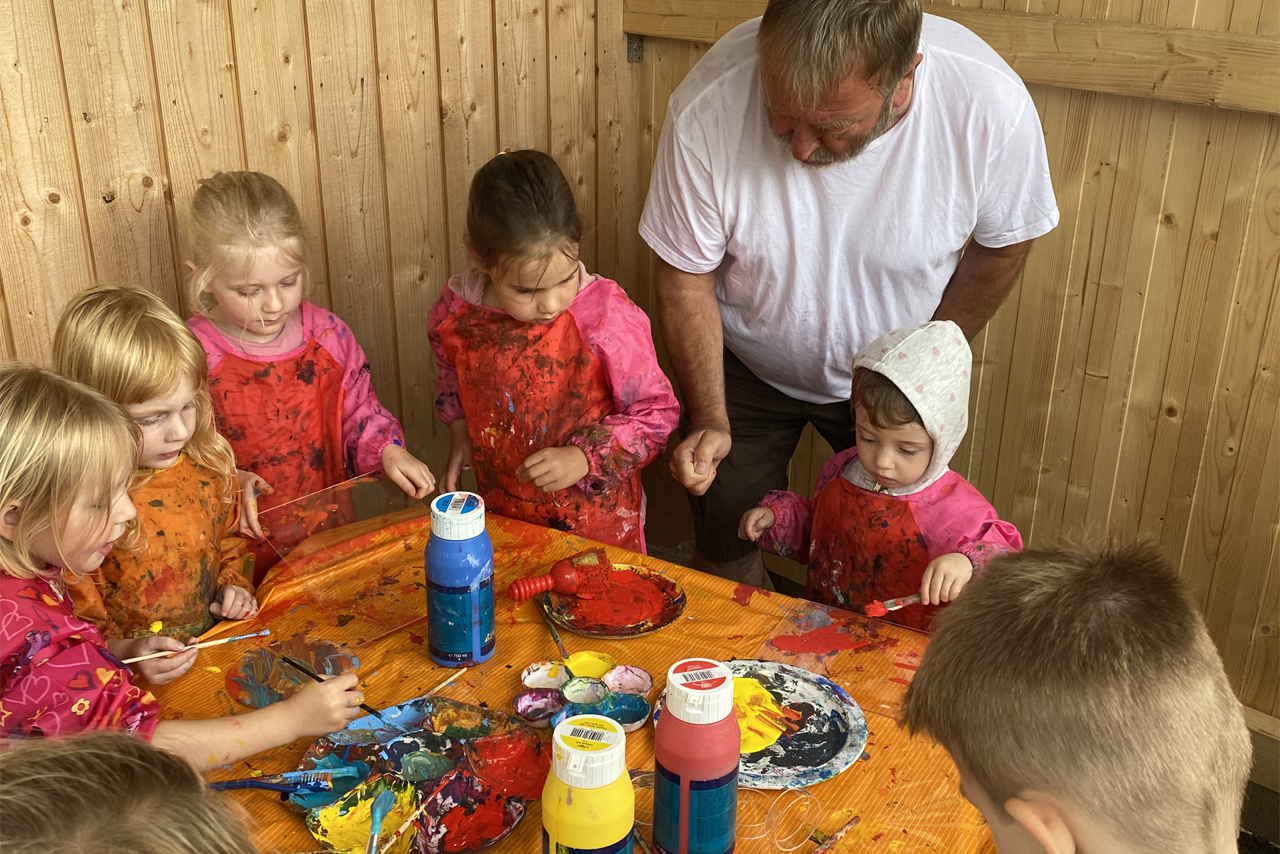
{"x":459,"y":567}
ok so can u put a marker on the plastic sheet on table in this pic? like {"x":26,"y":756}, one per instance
{"x":812,"y":636}
{"x":342,"y":511}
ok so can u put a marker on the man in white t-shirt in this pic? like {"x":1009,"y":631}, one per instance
{"x":820,"y":174}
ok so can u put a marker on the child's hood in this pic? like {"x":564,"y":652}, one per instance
{"x":931,"y":365}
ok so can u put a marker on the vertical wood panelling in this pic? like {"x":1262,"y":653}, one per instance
{"x":345,"y":91}
{"x":415,"y":167}
{"x":44,"y":250}
{"x":110,"y":90}
{"x":571,"y":33}
{"x":620,"y":148}
{"x":520,"y":38}
{"x":191,"y":46}
{"x":272,"y":66}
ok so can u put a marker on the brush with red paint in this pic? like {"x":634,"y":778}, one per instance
{"x":584,"y":575}
{"x":879,"y":609}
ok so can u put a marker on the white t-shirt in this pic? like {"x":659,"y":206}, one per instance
{"x":813,"y":263}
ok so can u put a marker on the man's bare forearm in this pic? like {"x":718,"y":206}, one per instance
{"x":691,"y":329}
{"x":980,"y":284}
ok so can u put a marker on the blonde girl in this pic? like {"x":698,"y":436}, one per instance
{"x":115,"y":794}
{"x":67,"y":457}
{"x":289,"y":384}
{"x":188,"y":569}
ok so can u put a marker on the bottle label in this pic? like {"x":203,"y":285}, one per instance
{"x":622,"y":846}
{"x":453,"y":613}
{"x":698,"y":675}
{"x":591,"y":735}
{"x":713,"y":812}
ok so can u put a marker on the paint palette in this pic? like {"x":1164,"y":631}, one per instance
{"x":798,"y":728}
{"x":472,"y":770}
{"x":261,"y":678}
{"x":638,"y":600}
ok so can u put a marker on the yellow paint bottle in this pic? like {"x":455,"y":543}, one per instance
{"x":588,"y":805}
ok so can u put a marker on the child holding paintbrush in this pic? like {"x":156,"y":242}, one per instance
{"x":67,"y":456}
{"x":888,"y":518}
{"x":187,"y":568}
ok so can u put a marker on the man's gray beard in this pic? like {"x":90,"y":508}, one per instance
{"x":822,"y":156}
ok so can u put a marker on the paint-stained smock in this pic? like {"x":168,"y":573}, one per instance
{"x":299,"y":411}
{"x":188,"y":550}
{"x":57,"y":676}
{"x":589,"y":378}
{"x":864,"y":542}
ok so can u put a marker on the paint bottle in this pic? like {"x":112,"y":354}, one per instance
{"x":588,"y":805}
{"x":696,"y":754}
{"x":459,"y":566}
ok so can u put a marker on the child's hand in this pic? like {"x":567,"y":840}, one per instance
{"x":944,"y":578}
{"x":157,"y":671}
{"x":407,"y":472}
{"x":324,"y":707}
{"x":233,"y":603}
{"x":460,"y":455}
{"x":755,"y":522}
{"x":553,"y":469}
{"x":251,"y":486}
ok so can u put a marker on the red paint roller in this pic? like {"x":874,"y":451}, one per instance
{"x":582,"y":575}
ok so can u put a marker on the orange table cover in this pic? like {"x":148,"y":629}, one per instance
{"x":362,"y":586}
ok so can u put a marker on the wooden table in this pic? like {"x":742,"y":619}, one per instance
{"x":362,"y":586}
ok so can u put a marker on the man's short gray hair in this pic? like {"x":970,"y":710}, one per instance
{"x":812,"y":45}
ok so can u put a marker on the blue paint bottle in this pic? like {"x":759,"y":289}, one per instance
{"x":459,"y":565}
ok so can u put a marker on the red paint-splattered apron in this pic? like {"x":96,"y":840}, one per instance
{"x":867,"y":546}
{"x":525,"y":387}
{"x":283,"y":418}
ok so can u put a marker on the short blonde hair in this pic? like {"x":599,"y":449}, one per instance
{"x":109,"y":793}
{"x":129,"y":345}
{"x":58,"y":440}
{"x":812,"y":45}
{"x":1088,"y":674}
{"x":234,"y":216}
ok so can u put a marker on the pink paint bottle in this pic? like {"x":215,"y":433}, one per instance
{"x":696,"y":753}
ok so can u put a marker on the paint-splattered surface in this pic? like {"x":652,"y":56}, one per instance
{"x":634,"y":600}
{"x":361,"y":587}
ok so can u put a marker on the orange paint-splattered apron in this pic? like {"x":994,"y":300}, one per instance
{"x":283,"y":418}
{"x":867,"y":546}
{"x":525,"y":387}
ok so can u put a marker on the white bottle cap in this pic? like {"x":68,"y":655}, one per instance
{"x":590,"y":751}
{"x":699,"y":691}
{"x":457,"y":516}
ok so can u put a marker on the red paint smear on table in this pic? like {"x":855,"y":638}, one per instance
{"x":415,"y":638}
{"x":819,"y":641}
{"x":743,"y":592}
{"x":629,"y":599}
{"x":905,"y":666}
{"x":899,"y":681}
{"x":470,"y":832}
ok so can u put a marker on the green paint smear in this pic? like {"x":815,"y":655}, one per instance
{"x":420,"y":766}
{"x":458,"y":732}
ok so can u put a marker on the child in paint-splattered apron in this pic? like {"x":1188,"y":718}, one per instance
{"x":866,"y":537}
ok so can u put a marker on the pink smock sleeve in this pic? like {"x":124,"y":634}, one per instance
{"x":994,"y":537}
{"x":367,"y":427}
{"x":790,"y":534}
{"x":57,"y":676}
{"x":645,"y":409}
{"x":448,"y":404}
{"x":958,"y":519}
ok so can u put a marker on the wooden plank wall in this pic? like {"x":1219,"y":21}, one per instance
{"x":374,"y":116}
{"x":1128,"y":386}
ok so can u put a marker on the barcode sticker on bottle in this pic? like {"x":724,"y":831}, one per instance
{"x":455,"y":506}
{"x":590,"y":734}
{"x":700,"y":674}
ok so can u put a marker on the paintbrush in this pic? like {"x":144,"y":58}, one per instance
{"x":165,"y":653}
{"x":408,"y":822}
{"x":544,"y":605}
{"x":320,"y":775}
{"x":829,"y":842}
{"x":879,"y":609}
{"x":307,"y":671}
{"x":377,"y":813}
{"x":446,"y":683}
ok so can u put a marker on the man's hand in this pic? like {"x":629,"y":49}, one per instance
{"x":553,"y":469}
{"x":695,"y":459}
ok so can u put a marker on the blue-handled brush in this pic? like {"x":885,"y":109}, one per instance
{"x":378,"y":812}
{"x":312,"y":788}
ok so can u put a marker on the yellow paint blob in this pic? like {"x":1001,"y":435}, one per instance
{"x":155,"y":627}
{"x":344,"y":824}
{"x":213,"y":669}
{"x":593,"y":665}
{"x":255,"y":773}
{"x":759,"y":715}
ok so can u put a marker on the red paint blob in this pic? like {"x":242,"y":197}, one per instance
{"x":899,"y":681}
{"x":743,"y":592}
{"x":905,"y":666}
{"x":471,"y":832}
{"x":515,"y":764}
{"x":628,"y":599}
{"x":819,"y":641}
{"x":415,"y":638}
{"x":875,"y":609}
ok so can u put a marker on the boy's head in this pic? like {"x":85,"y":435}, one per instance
{"x":1085,"y":705}
{"x":910,"y":403}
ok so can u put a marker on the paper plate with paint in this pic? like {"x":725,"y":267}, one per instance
{"x":637,"y":600}
{"x":798,"y":728}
